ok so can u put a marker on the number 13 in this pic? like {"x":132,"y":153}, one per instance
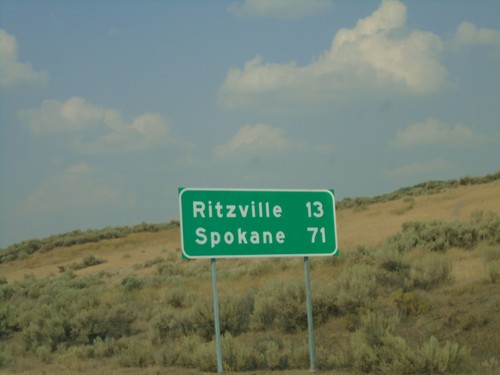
{"x":314,"y":209}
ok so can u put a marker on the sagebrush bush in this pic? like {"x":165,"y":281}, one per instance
{"x":376,"y":348}
{"x":356,"y":288}
{"x":235,"y":313}
{"x":437,"y":235}
{"x":273,"y":353}
{"x":237,"y":356}
{"x":281,"y":305}
{"x":168,"y":325}
{"x":429,"y":271}
{"x":488,"y":226}
{"x":131,"y":283}
{"x":324,"y":302}
{"x":410,"y":303}
{"x":369,"y":342}
{"x":434,"y":358}
{"x":176,"y":297}
{"x":394,"y":266}
{"x":135,"y":354}
{"x":191,"y":351}
{"x":89,"y":261}
{"x":8,"y":320}
{"x":494,"y":270}
{"x":5,"y":357}
{"x":491,"y":258}
{"x":67,"y":310}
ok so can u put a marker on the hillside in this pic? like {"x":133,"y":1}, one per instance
{"x":415,"y":288}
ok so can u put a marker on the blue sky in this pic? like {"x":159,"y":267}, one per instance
{"x":107,"y":107}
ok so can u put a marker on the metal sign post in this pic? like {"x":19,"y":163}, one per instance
{"x":309,"y":314}
{"x":216,"y":317}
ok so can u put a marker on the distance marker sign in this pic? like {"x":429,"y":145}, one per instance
{"x":219,"y":223}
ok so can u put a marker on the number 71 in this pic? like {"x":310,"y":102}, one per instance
{"x":314,"y":232}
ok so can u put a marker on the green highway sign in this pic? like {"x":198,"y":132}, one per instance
{"x":217,"y":223}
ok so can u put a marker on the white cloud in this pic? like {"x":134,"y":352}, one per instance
{"x":433,"y":131}
{"x":13,"y":72}
{"x":254,"y":141}
{"x":420,"y":171}
{"x":377,"y":54}
{"x":468,"y":34}
{"x":281,"y":9}
{"x":95,"y":129}
{"x":78,"y":186}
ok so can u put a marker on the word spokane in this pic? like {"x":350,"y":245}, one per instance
{"x":241,"y":237}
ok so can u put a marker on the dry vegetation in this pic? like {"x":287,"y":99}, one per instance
{"x":416,"y":289}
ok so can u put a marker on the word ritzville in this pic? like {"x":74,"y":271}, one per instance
{"x":261,"y":209}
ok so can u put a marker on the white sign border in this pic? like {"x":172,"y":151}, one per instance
{"x":181,"y":191}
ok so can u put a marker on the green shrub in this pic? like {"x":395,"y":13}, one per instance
{"x":273,"y":353}
{"x":190,"y":351}
{"x":103,"y":348}
{"x":8,"y":320}
{"x":6,"y":292}
{"x":236,"y":355}
{"x":375,"y":348}
{"x":324,"y":302}
{"x":281,"y":305}
{"x":488,"y":226}
{"x":429,"y":272}
{"x":67,"y":310}
{"x":494,"y":270}
{"x":355,"y":288}
{"x":168,"y":325}
{"x":410,"y":303}
{"x":396,"y":356}
{"x":203,"y":357}
{"x":176,"y":297}
{"x":5,"y":357}
{"x":265,"y":310}
{"x":434,"y":358}
{"x":135,"y":354}
{"x":43,"y":353}
{"x":199,"y":318}
{"x":131,"y":283}
{"x":394,"y":266}
{"x":491,"y":258}
{"x":87,"y":262}
{"x":235,"y":313}
{"x":439,"y":236}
